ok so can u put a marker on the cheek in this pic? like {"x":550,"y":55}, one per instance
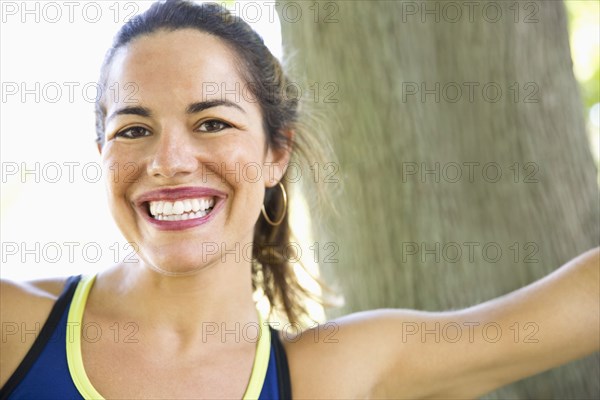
{"x":241,"y":162}
{"x":119,"y":172}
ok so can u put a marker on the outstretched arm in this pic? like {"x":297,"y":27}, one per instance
{"x":543,"y":325}
{"x":392,"y":353}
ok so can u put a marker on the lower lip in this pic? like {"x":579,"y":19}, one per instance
{"x":188,"y":223}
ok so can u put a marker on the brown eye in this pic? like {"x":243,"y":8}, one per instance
{"x":213,"y":125}
{"x":133,"y":132}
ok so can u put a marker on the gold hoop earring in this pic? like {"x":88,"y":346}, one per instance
{"x":280,"y":220}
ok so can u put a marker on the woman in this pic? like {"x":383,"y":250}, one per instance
{"x":197,"y":157}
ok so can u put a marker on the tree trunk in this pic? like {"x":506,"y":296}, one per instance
{"x":465,"y":166}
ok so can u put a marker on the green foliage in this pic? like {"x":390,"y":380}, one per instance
{"x":584,"y":23}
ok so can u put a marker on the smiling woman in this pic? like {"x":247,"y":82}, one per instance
{"x":213,"y":131}
{"x":191,"y":166}
{"x":196,"y":159}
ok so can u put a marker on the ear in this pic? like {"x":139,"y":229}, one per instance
{"x":99,"y":148}
{"x":277,"y":161}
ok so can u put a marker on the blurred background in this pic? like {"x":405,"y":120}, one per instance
{"x":416,"y":228}
{"x":584,"y":38}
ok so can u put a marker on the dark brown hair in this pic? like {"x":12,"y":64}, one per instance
{"x":273,"y":249}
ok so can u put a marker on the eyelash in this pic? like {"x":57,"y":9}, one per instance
{"x":224,"y":124}
{"x":124,"y":132}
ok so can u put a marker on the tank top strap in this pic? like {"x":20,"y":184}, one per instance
{"x":53,"y":367}
{"x":59,"y":308}
{"x":283,"y":372}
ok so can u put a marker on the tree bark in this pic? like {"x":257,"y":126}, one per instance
{"x":412,"y":232}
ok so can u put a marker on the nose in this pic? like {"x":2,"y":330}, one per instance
{"x":173,"y":155}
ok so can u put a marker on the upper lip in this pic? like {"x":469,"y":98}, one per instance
{"x":179,"y":193}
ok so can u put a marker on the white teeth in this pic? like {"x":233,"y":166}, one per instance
{"x":183,"y":209}
{"x":167,"y":208}
{"x":182,"y":217}
{"x":177,"y":207}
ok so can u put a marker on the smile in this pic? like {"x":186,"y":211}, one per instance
{"x":181,"y":210}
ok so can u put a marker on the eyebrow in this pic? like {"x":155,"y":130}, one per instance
{"x":203,"y":105}
{"x":131,"y":110}
{"x":191,"y":109}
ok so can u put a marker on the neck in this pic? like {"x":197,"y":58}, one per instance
{"x":216,"y":295}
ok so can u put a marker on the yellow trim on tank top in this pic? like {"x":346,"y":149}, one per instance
{"x":75,"y":360}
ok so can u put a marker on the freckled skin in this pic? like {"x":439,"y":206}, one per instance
{"x":170,"y":71}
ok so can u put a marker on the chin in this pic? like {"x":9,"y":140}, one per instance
{"x":181,"y":259}
{"x":177,"y":267}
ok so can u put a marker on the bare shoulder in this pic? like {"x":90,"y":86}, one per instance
{"x":24,"y":308}
{"x":23,"y":298}
{"x":378,"y":353}
{"x":399,"y":353}
{"x":346,"y":357}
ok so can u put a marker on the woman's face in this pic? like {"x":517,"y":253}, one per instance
{"x":185,"y":152}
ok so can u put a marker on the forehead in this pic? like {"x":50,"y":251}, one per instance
{"x":186,"y":64}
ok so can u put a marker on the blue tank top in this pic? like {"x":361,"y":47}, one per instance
{"x":53,"y":367}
